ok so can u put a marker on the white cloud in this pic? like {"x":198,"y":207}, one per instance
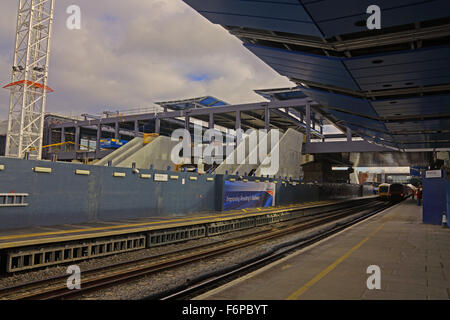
{"x":132,"y":53}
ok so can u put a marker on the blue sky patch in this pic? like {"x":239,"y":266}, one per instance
{"x":199,"y":77}
{"x":109,"y":18}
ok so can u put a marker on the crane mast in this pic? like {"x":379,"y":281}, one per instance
{"x":29,"y":79}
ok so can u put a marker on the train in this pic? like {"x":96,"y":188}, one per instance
{"x":383,"y":191}
{"x":395,"y":191}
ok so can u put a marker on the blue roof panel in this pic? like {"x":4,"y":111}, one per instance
{"x":419,"y":125}
{"x":343,"y":102}
{"x":421,"y":137}
{"x":426,"y":145}
{"x":374,"y":134}
{"x":339,"y":17}
{"x":193,"y":103}
{"x":427,"y":105}
{"x":361,"y":121}
{"x":308,"y":67}
{"x":401,"y":70}
{"x":276,"y":15}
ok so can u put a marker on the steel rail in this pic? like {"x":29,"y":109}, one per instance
{"x":205,"y":284}
{"x":55,"y":288}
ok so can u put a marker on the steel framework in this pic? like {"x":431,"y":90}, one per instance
{"x":29,"y":78}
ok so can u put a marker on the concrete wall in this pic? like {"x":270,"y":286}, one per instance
{"x":231,"y":162}
{"x":289,"y":149}
{"x":252,"y":161}
{"x":63,"y":197}
{"x":368,"y":190}
{"x":334,"y":191}
{"x":287,"y":193}
{"x":156,"y":153}
{"x":122,"y":153}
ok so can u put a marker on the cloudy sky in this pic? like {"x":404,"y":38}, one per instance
{"x":131,"y":53}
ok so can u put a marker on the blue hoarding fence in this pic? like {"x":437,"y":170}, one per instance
{"x":241,"y":195}
{"x":416,"y":171}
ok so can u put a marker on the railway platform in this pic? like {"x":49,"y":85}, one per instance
{"x":68,"y":232}
{"x":413,"y":260}
{"x":30,"y":248}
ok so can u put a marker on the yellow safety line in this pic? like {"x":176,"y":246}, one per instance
{"x":331,"y":267}
{"x":141,"y":224}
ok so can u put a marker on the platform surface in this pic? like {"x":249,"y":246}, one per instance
{"x":414,"y":261}
{"x":69,"y":232}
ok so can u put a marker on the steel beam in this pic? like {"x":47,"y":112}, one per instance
{"x":211,"y":121}
{"x":297,"y":123}
{"x":63,"y":135}
{"x":116,"y":130}
{"x":136,"y":127}
{"x":308,"y":122}
{"x":99,"y":136}
{"x":349,"y":134}
{"x":346,"y":45}
{"x":157,"y":125}
{"x":238,"y":128}
{"x":192,"y":113}
{"x":186,"y":122}
{"x":342,"y":146}
{"x":77,"y":138}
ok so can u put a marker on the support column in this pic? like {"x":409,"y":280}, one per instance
{"x":211,"y":124}
{"x":77,"y":138}
{"x":116,"y":131}
{"x":136,"y":128}
{"x":186,"y":122}
{"x":63,"y":135}
{"x":349,"y":134}
{"x":157,"y":125}
{"x":308,"y":122}
{"x":238,"y":127}
{"x":211,"y":121}
{"x":49,"y":136}
{"x":267,"y":118}
{"x":99,"y":135}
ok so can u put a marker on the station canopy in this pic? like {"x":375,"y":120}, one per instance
{"x":201,"y":102}
{"x":390,"y":86}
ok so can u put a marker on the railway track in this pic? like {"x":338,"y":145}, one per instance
{"x":96,"y":279}
{"x":205,"y":284}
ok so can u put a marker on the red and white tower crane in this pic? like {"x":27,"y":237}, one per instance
{"x":29,"y":79}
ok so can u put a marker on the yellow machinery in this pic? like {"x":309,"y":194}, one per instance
{"x":54,"y":145}
{"x":149,"y":137}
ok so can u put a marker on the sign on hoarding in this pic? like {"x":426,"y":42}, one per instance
{"x":416,"y":171}
{"x":433,"y":174}
{"x":161,"y":177}
{"x":241,"y":195}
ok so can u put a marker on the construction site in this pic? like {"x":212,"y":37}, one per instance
{"x":225,"y":193}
